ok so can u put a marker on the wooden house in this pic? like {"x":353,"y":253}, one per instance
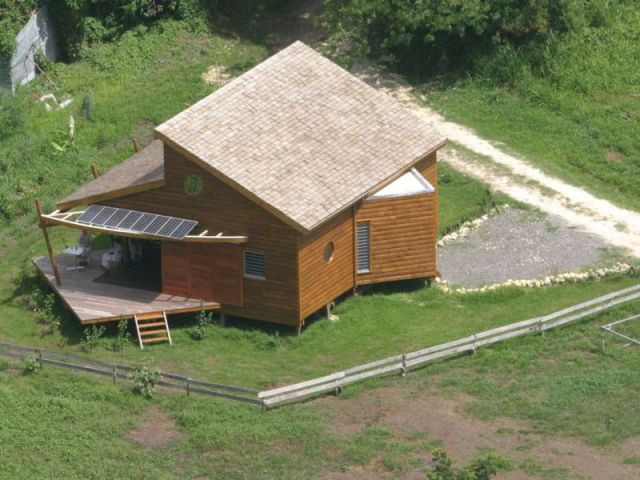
{"x":302,"y":182}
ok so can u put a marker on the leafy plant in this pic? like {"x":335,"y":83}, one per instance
{"x":31,"y":364}
{"x":203,"y":320}
{"x":48,"y":315}
{"x":65,"y":140}
{"x":92,"y":336}
{"x":88,"y":104}
{"x":480,"y":469}
{"x":145,"y":379}
{"x":122,"y":337}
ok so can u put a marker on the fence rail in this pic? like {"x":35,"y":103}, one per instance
{"x":335,"y":382}
{"x":119,"y":372}
{"x":403,"y":363}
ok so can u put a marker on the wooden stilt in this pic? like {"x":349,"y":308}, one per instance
{"x":223,"y":319}
{"x":328,"y":310}
{"x":94,"y":170}
{"x":299,"y":329}
{"x":43,"y":226}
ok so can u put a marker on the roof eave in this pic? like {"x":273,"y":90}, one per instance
{"x":121,"y":192}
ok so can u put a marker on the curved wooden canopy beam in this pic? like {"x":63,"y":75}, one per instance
{"x":67,"y":219}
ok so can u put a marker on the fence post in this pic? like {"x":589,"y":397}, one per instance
{"x":115,"y":373}
{"x":603,"y":334}
{"x":403,"y":370}
{"x":188,"y":386}
{"x":40,"y":356}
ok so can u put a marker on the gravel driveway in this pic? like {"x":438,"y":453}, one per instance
{"x":519,"y":244}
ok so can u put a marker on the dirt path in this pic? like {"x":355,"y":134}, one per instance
{"x":515,"y":176}
{"x":465,"y":437}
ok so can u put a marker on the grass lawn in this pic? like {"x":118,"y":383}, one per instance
{"x":571,"y":107}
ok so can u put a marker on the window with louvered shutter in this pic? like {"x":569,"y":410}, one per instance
{"x":254,"y":265}
{"x":364,"y":247}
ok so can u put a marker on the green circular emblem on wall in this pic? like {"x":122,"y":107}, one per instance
{"x":193,"y":185}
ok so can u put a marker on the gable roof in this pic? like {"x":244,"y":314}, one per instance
{"x":142,"y":171}
{"x":301,"y":136}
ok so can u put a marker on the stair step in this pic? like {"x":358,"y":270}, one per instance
{"x":148,"y":316}
{"x":155,"y":339}
{"x":150,"y":325}
{"x":153,"y":332}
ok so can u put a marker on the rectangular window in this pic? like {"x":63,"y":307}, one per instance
{"x":363,"y":243}
{"x":254,"y":265}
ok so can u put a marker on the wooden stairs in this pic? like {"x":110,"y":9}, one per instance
{"x":152,"y":328}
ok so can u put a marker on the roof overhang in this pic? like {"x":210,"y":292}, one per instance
{"x":69,"y":219}
{"x":122,"y":192}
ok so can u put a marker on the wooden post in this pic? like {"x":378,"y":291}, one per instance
{"x":328,"y":310}
{"x":136,"y":144}
{"x":223,"y":319}
{"x":94,"y":170}
{"x":52,"y":259}
{"x":299,"y":329}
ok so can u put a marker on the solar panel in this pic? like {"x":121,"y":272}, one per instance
{"x":131,"y":220}
{"x":169,"y":227}
{"x":115,"y":219}
{"x":103,"y":216}
{"x":90,"y":213}
{"x":142,"y":222}
{"x":185,"y":227}
{"x":156,"y":224}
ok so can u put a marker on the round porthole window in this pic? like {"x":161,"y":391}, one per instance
{"x":193,"y":185}
{"x":328,"y":252}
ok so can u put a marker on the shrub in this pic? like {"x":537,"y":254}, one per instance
{"x":87,"y":105}
{"x":421,"y":36}
{"x":30,"y":364}
{"x":48,"y":315}
{"x":203,"y":319}
{"x":480,"y":469}
{"x":145,"y":379}
{"x":122,"y":337}
{"x":91,"y":337}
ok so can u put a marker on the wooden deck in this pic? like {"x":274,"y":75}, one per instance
{"x":98,"y":302}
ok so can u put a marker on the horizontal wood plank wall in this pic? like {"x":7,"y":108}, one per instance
{"x":403,"y":237}
{"x":219,"y":208}
{"x":321,"y":281}
{"x":429,"y":170}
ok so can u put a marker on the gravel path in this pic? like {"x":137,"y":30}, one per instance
{"x":617,"y":226}
{"x":518,"y":245}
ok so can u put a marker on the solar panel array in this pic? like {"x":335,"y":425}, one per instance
{"x":140,"y":222}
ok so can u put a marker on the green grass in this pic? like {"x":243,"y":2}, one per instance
{"x":571,"y":106}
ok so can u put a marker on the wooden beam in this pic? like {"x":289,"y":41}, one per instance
{"x":52,"y":258}
{"x":94,"y":170}
{"x":55,"y":219}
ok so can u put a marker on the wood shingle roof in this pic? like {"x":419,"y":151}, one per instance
{"x":301,"y":136}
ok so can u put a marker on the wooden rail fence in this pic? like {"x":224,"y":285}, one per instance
{"x":401,"y":364}
{"x":120,"y":373}
{"x":335,"y":382}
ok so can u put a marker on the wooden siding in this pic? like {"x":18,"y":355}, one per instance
{"x":219,"y":208}
{"x":209,"y":272}
{"x":321,"y":281}
{"x":403,"y":236}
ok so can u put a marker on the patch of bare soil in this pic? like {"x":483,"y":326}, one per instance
{"x":155,"y":429}
{"x":464,"y":437}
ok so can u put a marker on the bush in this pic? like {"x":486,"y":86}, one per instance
{"x":87,"y":105}
{"x":122,"y":337}
{"x":480,"y":469}
{"x":423,"y":36}
{"x":48,"y":315}
{"x":30,"y":364}
{"x":92,"y":336}
{"x":203,"y":319}
{"x":145,"y":379}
